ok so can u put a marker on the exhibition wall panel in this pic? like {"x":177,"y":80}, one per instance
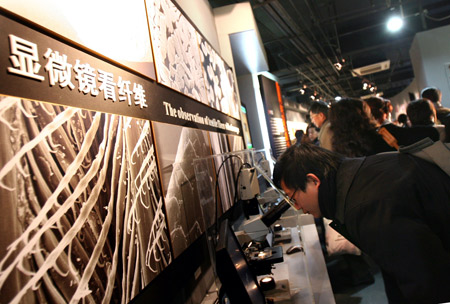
{"x":96,"y":173}
{"x":176,"y":148}
{"x":83,"y":214}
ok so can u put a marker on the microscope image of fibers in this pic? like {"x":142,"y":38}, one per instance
{"x":177,"y":147}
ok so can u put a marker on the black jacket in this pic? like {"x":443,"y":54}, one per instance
{"x":408,"y":136}
{"x":396,"y":208}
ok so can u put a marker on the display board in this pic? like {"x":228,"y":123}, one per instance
{"x":81,"y":204}
{"x":220,"y":84}
{"x":275,"y":117}
{"x":177,"y":58}
{"x":96,"y":174}
{"x":176,"y":148}
{"x":225,"y":176}
{"x":186,"y":62}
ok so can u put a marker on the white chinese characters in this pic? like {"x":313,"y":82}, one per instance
{"x":59,"y":71}
{"x":24,"y":56}
{"x":85,"y":74}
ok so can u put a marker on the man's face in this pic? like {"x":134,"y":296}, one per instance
{"x":317,"y":119}
{"x":308,"y":200}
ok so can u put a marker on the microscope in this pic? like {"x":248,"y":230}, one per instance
{"x":257,"y":231}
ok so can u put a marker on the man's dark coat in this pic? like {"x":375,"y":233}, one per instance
{"x":396,"y":208}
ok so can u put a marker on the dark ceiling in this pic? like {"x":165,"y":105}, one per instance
{"x":304,"y":39}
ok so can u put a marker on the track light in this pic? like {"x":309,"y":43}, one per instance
{"x":394,"y":24}
{"x":367,"y":85}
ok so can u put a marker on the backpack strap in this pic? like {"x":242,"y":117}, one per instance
{"x":435,"y":152}
{"x":388,"y":137}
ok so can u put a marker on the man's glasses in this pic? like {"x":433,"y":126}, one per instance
{"x":292,"y":199}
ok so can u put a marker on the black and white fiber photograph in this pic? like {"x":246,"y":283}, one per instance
{"x":82,"y":215}
{"x":177,"y":147}
{"x":220,"y":84}
{"x":224,"y":170}
{"x":177,"y":57}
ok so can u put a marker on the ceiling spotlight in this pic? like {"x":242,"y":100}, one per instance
{"x":394,"y":24}
{"x":337,"y":98}
{"x":313,"y":97}
{"x":338,"y":66}
{"x":302,"y":91}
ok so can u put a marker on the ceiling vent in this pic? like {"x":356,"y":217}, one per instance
{"x":379,"y":94}
{"x":372,"y":68}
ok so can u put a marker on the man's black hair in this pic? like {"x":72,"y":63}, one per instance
{"x":319,"y":107}
{"x":431,"y":93}
{"x":420,"y":112}
{"x":297,"y":161}
{"x":402,"y":118}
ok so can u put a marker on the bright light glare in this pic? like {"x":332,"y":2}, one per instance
{"x":394,"y":24}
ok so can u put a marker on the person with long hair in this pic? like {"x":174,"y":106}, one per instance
{"x":378,"y":109}
{"x":354,"y":133}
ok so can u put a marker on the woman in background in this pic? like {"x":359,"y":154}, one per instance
{"x":354,"y":132}
{"x":312,"y":133}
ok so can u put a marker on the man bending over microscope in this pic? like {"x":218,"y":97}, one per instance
{"x":395,"y":207}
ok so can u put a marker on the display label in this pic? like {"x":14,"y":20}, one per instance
{"x":40,"y":66}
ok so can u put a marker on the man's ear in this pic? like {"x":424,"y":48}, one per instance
{"x":310,"y":177}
